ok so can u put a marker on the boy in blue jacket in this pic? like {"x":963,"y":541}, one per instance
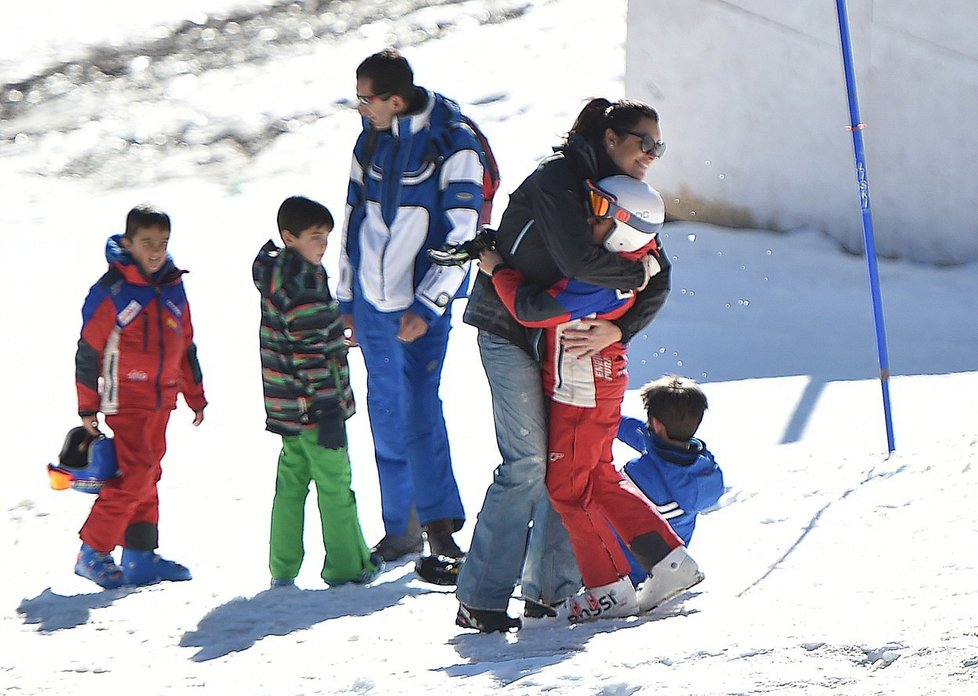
{"x":675,"y":470}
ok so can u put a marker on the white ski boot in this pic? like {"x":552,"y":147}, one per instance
{"x":606,"y":602}
{"x":674,"y":574}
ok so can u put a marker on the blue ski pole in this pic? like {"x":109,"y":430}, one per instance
{"x":862,"y":182}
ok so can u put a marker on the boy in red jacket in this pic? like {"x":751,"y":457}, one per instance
{"x":135,"y":354}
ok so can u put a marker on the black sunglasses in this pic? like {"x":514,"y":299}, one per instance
{"x":650,"y":145}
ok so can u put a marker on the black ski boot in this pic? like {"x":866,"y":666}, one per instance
{"x":440,"y":541}
{"x":439,"y":570}
{"x":393,"y":547}
{"x":486,"y":620}
{"x":538,"y":609}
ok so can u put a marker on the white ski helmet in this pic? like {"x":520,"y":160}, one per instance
{"x":636,"y":209}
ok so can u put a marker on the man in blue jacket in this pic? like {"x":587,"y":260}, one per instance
{"x":416,"y":183}
{"x":675,"y":471}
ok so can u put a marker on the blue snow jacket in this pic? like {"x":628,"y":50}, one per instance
{"x":414,"y":187}
{"x":681,"y":481}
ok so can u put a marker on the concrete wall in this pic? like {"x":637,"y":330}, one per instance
{"x":753,"y":104}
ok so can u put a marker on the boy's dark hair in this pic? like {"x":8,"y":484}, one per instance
{"x":388,"y":72}
{"x":145,"y":215}
{"x":600,"y":114}
{"x":678,"y":402}
{"x":298,"y":213}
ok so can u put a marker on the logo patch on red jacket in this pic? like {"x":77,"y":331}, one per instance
{"x":129,"y":312}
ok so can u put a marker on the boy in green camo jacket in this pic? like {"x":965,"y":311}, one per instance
{"x":307,"y":399}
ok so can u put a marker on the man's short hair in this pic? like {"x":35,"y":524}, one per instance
{"x":677,"y":402}
{"x":145,"y":215}
{"x":388,"y":72}
{"x":298,"y":213}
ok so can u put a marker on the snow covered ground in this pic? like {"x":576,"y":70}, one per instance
{"x":831,"y":567}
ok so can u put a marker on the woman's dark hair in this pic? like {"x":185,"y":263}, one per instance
{"x":146,"y":215}
{"x":599,"y":114}
{"x":389,"y":73}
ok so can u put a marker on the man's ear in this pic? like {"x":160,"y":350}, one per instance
{"x":398,"y":103}
{"x":126,"y":243}
{"x":288,"y":238}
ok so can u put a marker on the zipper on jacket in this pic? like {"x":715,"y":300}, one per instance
{"x":159,"y":369}
{"x":113,"y":372}
{"x":559,"y":371}
{"x":389,"y":184}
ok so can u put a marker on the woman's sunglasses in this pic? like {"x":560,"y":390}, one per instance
{"x":650,"y":145}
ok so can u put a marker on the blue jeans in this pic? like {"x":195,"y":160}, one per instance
{"x":504,"y":537}
{"x":414,"y":463}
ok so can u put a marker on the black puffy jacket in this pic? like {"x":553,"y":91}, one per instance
{"x":544,"y":234}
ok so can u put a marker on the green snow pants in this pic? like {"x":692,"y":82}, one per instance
{"x":303,"y":460}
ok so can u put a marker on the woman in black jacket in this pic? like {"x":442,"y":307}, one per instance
{"x":545,"y":234}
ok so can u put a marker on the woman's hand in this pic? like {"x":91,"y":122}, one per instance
{"x":590,"y":337}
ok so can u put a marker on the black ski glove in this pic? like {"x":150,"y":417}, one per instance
{"x":332,"y":425}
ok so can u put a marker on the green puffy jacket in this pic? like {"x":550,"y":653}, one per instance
{"x":303,"y":353}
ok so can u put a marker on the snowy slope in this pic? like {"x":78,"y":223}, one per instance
{"x":831,"y":567}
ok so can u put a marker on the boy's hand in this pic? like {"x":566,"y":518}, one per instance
{"x":90,"y":423}
{"x":413,"y":327}
{"x":198,"y":417}
{"x":488,"y":260}
{"x":332,"y":426}
{"x":652,"y":268}
{"x":349,"y":331}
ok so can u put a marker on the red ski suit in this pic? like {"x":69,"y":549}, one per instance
{"x":135,"y":354}
{"x":593,"y":499}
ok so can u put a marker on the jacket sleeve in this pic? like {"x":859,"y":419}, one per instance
{"x":314,"y":330}
{"x":634,"y":433}
{"x":538,"y":307}
{"x":530,"y":305}
{"x":648,"y":302}
{"x":192,"y":377}
{"x":460,"y":201}
{"x":98,"y":320}
{"x":355,"y":197}
{"x":561,"y":221}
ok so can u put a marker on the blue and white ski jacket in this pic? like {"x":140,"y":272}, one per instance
{"x":681,"y":481}
{"x":422,"y":188}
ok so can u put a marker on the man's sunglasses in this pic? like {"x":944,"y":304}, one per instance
{"x":368,"y":99}
{"x":605,"y":205}
{"x":650,"y":145}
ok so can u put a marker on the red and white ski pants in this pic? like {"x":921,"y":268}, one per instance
{"x":594,"y":500}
